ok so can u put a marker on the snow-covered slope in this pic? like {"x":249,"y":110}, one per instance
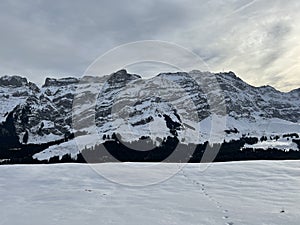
{"x":39,"y":113}
{"x":169,"y":104}
{"x":14,"y":91}
{"x":240,"y":193}
{"x":133,"y":107}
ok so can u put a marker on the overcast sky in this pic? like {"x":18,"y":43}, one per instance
{"x":258,"y":39}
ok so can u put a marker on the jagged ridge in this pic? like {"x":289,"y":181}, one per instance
{"x":130,"y":105}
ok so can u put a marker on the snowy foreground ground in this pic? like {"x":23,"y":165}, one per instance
{"x":225,"y":193}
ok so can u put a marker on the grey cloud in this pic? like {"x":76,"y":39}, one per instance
{"x":65,"y":37}
{"x":253,"y":38}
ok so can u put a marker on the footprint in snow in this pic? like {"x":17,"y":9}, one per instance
{"x":218,"y":204}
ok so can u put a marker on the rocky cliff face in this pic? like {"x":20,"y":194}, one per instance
{"x":169,"y":104}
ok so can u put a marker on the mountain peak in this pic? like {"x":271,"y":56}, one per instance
{"x":60,"y":82}
{"x":228,"y":74}
{"x":13,"y":81}
{"x":268,"y":88}
{"x":122,"y":76}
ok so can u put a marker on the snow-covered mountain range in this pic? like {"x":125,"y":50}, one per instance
{"x":182,"y":105}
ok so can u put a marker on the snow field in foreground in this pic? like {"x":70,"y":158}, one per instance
{"x":246,"y":193}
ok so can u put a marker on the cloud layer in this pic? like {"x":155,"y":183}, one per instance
{"x":258,"y":39}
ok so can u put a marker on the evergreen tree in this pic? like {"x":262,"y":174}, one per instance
{"x":25,"y":137}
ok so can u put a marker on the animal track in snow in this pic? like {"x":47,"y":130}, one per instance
{"x":203,"y":189}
